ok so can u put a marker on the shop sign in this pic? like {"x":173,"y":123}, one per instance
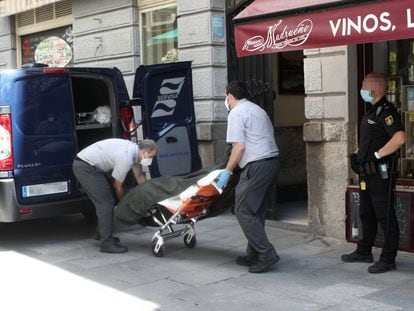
{"x":11,"y":7}
{"x":379,"y":21}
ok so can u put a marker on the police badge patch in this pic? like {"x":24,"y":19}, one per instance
{"x":389,"y":120}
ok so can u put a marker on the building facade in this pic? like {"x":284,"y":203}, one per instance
{"x":125,"y":34}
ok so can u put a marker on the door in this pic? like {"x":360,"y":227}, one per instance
{"x":254,"y":70}
{"x":43,"y":137}
{"x":169,"y":118}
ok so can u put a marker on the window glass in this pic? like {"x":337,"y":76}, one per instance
{"x":53,"y":47}
{"x":44,"y":105}
{"x":159,"y":36}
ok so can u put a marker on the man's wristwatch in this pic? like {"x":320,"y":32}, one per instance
{"x":377,"y":156}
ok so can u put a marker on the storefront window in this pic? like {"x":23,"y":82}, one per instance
{"x":159,"y":36}
{"x":396,"y":60}
{"x":52,"y":47}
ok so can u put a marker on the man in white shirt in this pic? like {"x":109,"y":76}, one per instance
{"x":254,"y":150}
{"x":117,"y":157}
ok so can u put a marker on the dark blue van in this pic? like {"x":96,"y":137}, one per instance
{"x":48,"y":114}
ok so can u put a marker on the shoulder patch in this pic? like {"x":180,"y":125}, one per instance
{"x":389,"y":120}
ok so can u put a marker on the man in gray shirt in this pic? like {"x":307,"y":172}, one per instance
{"x":117,"y":157}
{"x":254,"y":150}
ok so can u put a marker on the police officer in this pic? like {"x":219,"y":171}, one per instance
{"x":254,"y":150}
{"x":381,"y":135}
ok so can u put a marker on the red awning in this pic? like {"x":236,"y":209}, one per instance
{"x":264,"y":7}
{"x":360,"y":23}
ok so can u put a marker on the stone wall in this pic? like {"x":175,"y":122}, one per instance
{"x":7,"y":43}
{"x":331,"y":106}
{"x":201,"y":40}
{"x":106,"y":34}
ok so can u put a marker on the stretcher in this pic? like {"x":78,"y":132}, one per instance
{"x":176,"y":216}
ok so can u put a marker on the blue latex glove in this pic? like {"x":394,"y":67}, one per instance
{"x":223,"y":179}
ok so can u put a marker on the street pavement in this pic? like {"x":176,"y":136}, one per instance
{"x":55,"y":265}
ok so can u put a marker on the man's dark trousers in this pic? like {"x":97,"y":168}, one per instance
{"x":97,"y":187}
{"x":252,"y":196}
{"x":373,"y":210}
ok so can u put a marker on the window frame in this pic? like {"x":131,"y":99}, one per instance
{"x":144,"y":10}
{"x":56,"y":22}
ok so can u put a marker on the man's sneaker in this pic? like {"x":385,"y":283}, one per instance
{"x":115,"y":248}
{"x":263,"y":265}
{"x":246,"y":260}
{"x":381,"y":267}
{"x":357,"y":257}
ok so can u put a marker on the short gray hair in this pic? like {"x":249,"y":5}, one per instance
{"x":147,"y":145}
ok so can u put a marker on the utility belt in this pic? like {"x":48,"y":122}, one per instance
{"x":370,"y":168}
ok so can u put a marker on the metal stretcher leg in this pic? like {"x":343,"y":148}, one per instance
{"x":158,"y":248}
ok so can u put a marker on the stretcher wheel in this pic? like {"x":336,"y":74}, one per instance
{"x":160,"y":252}
{"x":190,"y":241}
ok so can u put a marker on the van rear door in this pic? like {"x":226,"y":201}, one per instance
{"x":43,"y":136}
{"x":169,"y":118}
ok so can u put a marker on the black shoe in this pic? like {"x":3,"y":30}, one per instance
{"x":115,"y":248}
{"x":357,"y":257}
{"x":246,"y":260}
{"x":381,"y":267}
{"x":97,"y":237}
{"x":263,"y":265}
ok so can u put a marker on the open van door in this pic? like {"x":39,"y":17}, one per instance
{"x":169,"y":118}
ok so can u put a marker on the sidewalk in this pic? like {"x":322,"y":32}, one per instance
{"x":71,"y":274}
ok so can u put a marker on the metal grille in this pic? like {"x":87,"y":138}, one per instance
{"x":63,"y":8}
{"x":254,"y":70}
{"x":45,"y":13}
{"x":25,"y":18}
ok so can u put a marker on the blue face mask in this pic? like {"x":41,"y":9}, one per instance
{"x":367,"y":96}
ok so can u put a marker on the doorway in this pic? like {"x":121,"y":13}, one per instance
{"x":288,"y":119}
{"x":275,"y":82}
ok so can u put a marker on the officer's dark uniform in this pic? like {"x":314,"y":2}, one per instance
{"x":378,"y":126}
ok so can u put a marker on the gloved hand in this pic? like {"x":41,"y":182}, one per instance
{"x":223,"y":179}
{"x":354,"y":163}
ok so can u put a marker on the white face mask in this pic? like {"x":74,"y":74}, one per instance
{"x":226,"y":103}
{"x":146,"y":161}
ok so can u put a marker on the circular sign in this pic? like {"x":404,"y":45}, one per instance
{"x":53,"y":51}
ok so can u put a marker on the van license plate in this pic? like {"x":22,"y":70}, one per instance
{"x":44,"y":189}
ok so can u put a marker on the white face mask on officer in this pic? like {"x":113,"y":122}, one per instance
{"x":147,"y":161}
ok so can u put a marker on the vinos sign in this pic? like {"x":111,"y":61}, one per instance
{"x":377,"y":21}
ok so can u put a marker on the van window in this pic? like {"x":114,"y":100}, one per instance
{"x":44,"y":105}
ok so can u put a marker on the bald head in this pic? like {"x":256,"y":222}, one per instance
{"x":376,"y":83}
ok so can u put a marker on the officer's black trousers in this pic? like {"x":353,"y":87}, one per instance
{"x":373,"y":210}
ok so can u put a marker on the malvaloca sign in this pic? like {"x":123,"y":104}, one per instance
{"x":360,"y":23}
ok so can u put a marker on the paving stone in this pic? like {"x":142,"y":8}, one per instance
{"x":310,"y":275}
{"x":401,"y":295}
